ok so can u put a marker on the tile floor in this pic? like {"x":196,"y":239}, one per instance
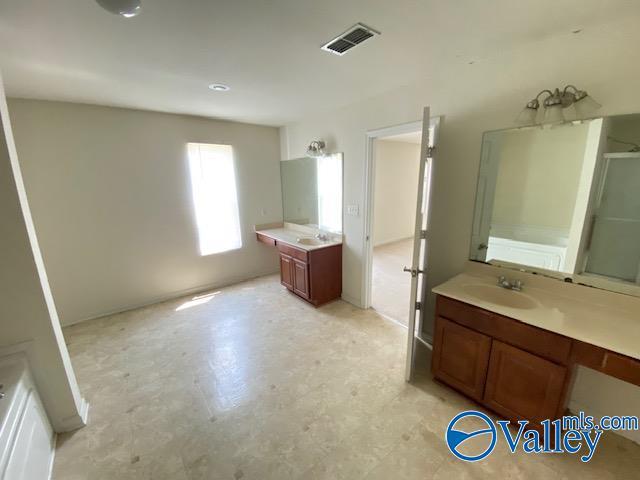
{"x":390,"y":286}
{"x":249,"y":382}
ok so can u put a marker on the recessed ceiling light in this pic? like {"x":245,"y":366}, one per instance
{"x":219,"y":87}
{"x":125,"y":8}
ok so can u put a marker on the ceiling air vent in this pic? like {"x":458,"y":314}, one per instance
{"x":349,"y":39}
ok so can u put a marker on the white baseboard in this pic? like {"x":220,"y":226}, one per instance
{"x":389,"y":319}
{"x":352,"y":300}
{"x":176,"y":294}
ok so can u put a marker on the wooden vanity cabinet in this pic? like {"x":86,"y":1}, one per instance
{"x":519,"y":371}
{"x":514,"y":369}
{"x":314,"y":275}
{"x":294,"y":274}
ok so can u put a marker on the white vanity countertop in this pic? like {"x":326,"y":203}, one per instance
{"x":289,"y":234}
{"x":604,"y":319}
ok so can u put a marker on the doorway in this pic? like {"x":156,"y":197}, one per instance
{"x":396,"y":168}
{"x":417,"y":269}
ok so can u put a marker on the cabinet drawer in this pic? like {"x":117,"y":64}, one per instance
{"x":293,"y":252}
{"x":614,"y":364}
{"x":464,"y":314}
{"x":266,"y":240}
{"x":546,"y":344}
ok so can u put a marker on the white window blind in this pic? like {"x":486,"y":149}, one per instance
{"x":215,"y":198}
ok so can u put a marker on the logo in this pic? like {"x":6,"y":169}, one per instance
{"x":569,"y":434}
{"x":456,"y":437}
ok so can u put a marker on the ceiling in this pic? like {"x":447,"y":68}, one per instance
{"x":268,"y":52}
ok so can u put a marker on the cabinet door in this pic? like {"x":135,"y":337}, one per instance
{"x":301,"y":278}
{"x":523,"y":386}
{"x":460,"y":357}
{"x":286,"y":271}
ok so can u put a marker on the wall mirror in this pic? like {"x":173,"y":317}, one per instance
{"x":312,"y":191}
{"x":562,"y":200}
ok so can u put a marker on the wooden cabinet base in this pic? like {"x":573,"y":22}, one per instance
{"x":519,"y":371}
{"x":313,"y":275}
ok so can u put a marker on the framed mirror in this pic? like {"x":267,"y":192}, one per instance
{"x":562,"y":200}
{"x":312,"y":191}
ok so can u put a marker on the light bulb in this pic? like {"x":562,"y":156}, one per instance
{"x":527,"y":116}
{"x":586,"y":106}
{"x":553,"y":114}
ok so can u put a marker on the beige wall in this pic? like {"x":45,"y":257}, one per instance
{"x":111,"y":201}
{"x":397,"y":167}
{"x":28,"y":318}
{"x":472,"y":99}
{"x":486,"y":95}
{"x":538,"y":176}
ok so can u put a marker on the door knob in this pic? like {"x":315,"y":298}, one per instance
{"x":482,"y":246}
{"x":414,"y":272}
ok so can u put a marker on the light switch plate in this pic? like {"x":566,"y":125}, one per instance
{"x":352,"y":210}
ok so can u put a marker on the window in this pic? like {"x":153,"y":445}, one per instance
{"x":215,"y":199}
{"x":330,"y":192}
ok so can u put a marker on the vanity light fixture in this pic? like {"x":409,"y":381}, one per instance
{"x":316,"y":149}
{"x":554,"y":104}
{"x":125,"y":8}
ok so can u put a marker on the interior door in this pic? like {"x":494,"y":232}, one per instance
{"x":420,"y":240}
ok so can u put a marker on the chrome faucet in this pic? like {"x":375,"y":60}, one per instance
{"x":514,"y":284}
{"x":322,"y":237}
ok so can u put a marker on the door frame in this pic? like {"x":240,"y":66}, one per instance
{"x":369,"y":196}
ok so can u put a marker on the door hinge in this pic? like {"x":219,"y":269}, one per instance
{"x":418,"y":305}
{"x":430,"y":151}
{"x":423,"y":234}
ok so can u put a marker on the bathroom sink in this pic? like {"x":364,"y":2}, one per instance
{"x":500,"y":296}
{"x":309,"y":241}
